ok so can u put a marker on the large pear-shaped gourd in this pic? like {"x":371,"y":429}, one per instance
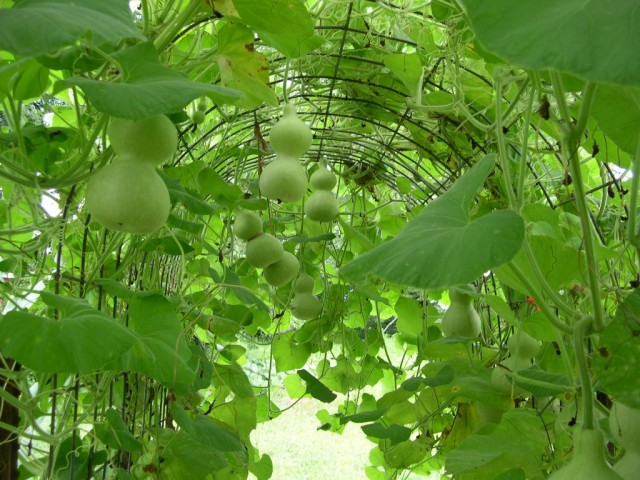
{"x":284,"y":179}
{"x":588,"y":461}
{"x":153,"y":140}
{"x":523,"y":345}
{"x":283,"y":271}
{"x":322,"y":206}
{"x":129,"y":197}
{"x":247,"y":225}
{"x":461,"y":317}
{"x":264,"y":250}
{"x":305,"y":306}
{"x":290,"y":136}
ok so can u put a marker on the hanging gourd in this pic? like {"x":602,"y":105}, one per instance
{"x":247,"y":225}
{"x":283,"y":271}
{"x":263,"y":250}
{"x":305,"y":305}
{"x":522,"y":347}
{"x":322,"y":205}
{"x":290,"y":136}
{"x":588,"y":461}
{"x":284,"y":179}
{"x":461,"y":317}
{"x":152,"y":140}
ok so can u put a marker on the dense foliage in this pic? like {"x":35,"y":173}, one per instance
{"x":427,"y":209}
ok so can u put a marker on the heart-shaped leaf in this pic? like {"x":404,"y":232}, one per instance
{"x":37,"y":27}
{"x":74,"y":343}
{"x":593,"y":39}
{"x":147,"y":88}
{"x":442,"y":247}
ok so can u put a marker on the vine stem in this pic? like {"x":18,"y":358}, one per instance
{"x":167,"y":35}
{"x":583,"y":370}
{"x":502,"y":144}
{"x":570,"y":144}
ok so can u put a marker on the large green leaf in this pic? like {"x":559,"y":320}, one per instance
{"x":617,"y":357}
{"x":617,"y":111}
{"x":592,"y":39}
{"x":114,"y":433}
{"x":147,"y":87}
{"x":517,"y":442}
{"x":206,"y":432}
{"x":442,"y":247}
{"x":36,"y":27}
{"x":242,"y":68}
{"x":75,"y":343}
{"x":162,"y":351}
{"x":283,"y":24}
{"x":186,"y":457}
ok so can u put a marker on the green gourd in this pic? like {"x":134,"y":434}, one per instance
{"x":263,"y":250}
{"x":284,"y":179}
{"x":290,"y":136}
{"x":129,"y":197}
{"x":304,"y":284}
{"x":322,"y":206}
{"x":501,"y":379}
{"x":461,"y":317}
{"x":323,"y":178}
{"x":588,"y":461}
{"x":283,"y":271}
{"x":523,"y":345}
{"x":624,"y":423}
{"x":247,"y":225}
{"x":152,"y":140}
{"x":305,"y":306}
{"x":198,"y":116}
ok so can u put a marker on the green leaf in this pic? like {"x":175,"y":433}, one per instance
{"x":362,"y":417}
{"x":114,"y":433}
{"x":405,"y":454}
{"x":288,"y":353}
{"x":36,"y":27}
{"x":394,"y":432}
{"x":410,"y":324}
{"x":407,"y":67}
{"x":147,"y":87}
{"x":232,"y":281}
{"x":441,"y":247}
{"x":206,"y":432}
{"x":211,"y":183}
{"x":283,"y":24}
{"x":555,"y":383}
{"x":592,"y":39}
{"x":262,"y":469}
{"x":316,"y":388}
{"x":75,"y":343}
{"x":617,"y":111}
{"x":488,"y":454}
{"x":162,"y":351}
{"x":617,"y":356}
{"x":242,"y":68}
{"x":185,"y":457}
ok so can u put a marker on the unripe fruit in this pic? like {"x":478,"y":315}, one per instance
{"x":197,"y":117}
{"x":290,"y":136}
{"x":247,"y":225}
{"x":263,"y":250}
{"x":305,"y":306}
{"x":202,"y":105}
{"x":322,"y":206}
{"x":523,"y":345}
{"x":304,"y":284}
{"x":588,"y":461}
{"x":283,"y":271}
{"x":129,"y":197}
{"x":501,"y":380}
{"x":461,"y":317}
{"x":323,"y":179}
{"x":153,"y":140}
{"x":284,"y":179}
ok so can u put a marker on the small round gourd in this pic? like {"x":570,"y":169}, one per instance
{"x":284,"y":179}
{"x":323,"y":179}
{"x":290,"y":136}
{"x":202,"y":105}
{"x":263,"y":250}
{"x":153,"y":140}
{"x":461,"y":317}
{"x":129,"y":197}
{"x":502,"y":381}
{"x":322,"y":206}
{"x":304,"y":284}
{"x":283,"y":271}
{"x":197,"y":117}
{"x":523,"y":345}
{"x":588,"y":461}
{"x":247,"y":225}
{"x":305,"y":306}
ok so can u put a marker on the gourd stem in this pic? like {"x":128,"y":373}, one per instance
{"x":583,"y":370}
{"x":502,"y":145}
